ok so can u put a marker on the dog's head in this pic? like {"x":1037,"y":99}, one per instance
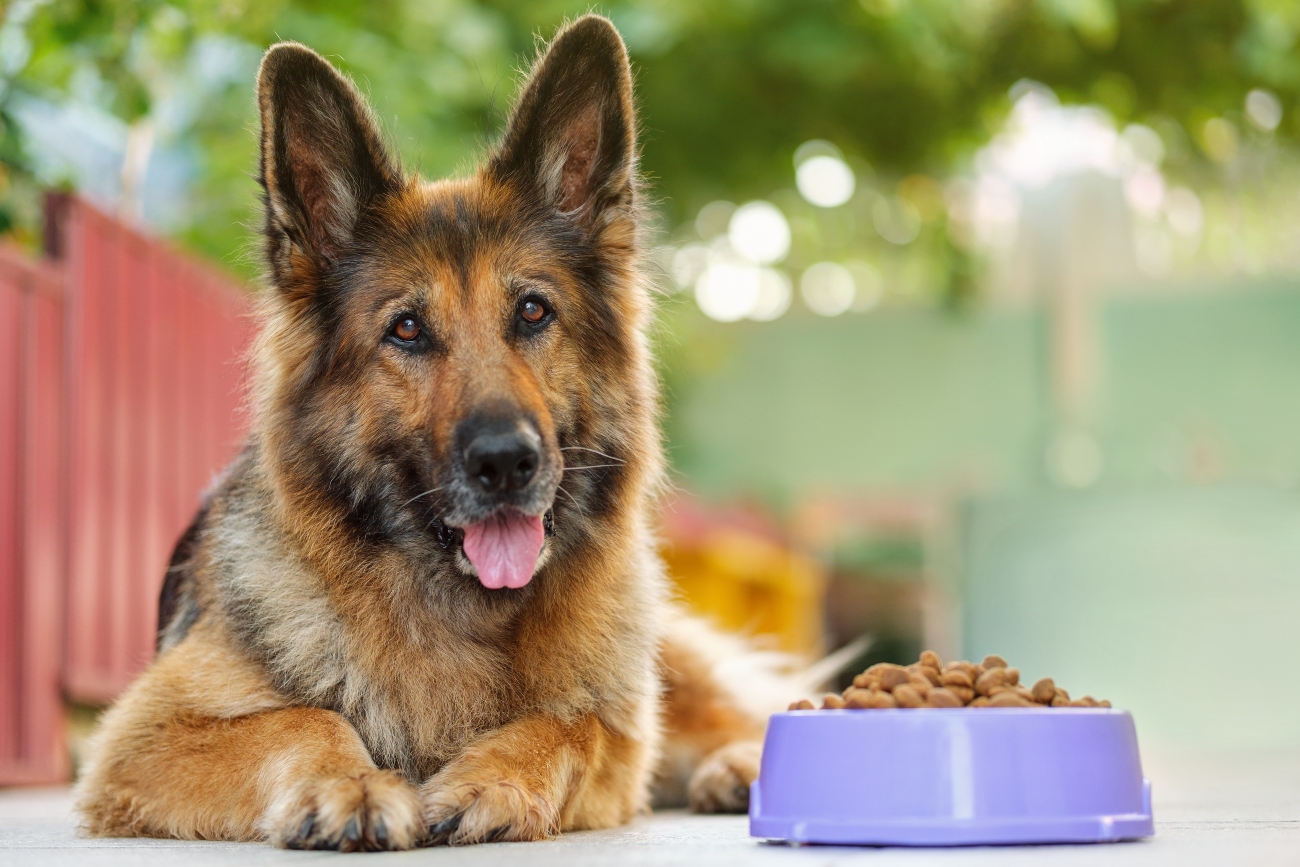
{"x":456,"y":371}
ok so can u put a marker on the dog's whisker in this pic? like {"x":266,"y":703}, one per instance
{"x":592,"y":467}
{"x":425,"y":494}
{"x":593,"y":451}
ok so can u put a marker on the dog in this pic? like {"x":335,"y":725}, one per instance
{"x":423,"y":605}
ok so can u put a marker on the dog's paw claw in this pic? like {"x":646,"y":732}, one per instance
{"x":374,"y":810}
{"x":486,"y":812}
{"x":440,"y":832}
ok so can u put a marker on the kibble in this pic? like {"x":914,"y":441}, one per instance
{"x":907,"y":695}
{"x":931,"y":683}
{"x":892,"y":678}
{"x":940,"y":697}
{"x":1044,"y":691}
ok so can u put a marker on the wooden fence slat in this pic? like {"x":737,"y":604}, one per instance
{"x":32,"y":744}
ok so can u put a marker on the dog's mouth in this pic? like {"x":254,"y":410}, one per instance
{"x":503,"y":548}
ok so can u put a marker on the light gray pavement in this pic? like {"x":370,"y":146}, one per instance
{"x":1220,"y":809}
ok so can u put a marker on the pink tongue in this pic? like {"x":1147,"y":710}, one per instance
{"x":504,"y":549}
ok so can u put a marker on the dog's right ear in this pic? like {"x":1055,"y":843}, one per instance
{"x":323,"y":161}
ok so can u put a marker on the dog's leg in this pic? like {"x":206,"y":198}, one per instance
{"x":718,"y":694}
{"x":536,"y":777}
{"x":199,"y":749}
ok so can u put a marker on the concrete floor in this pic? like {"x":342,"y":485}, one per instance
{"x":1220,"y":809}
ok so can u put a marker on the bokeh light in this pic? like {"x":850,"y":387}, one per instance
{"x":1145,"y":143}
{"x":1219,"y":139}
{"x":713,"y":219}
{"x":1264,"y":109}
{"x":729,"y":288}
{"x":896,"y":219}
{"x":1184,"y":212}
{"x":688,"y":263}
{"x":827,"y":288}
{"x":826,"y":181}
{"x":1144,"y":190}
{"x":759,"y":232}
{"x":773,"y":295}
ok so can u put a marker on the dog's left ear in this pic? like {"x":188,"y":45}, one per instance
{"x":571,"y":140}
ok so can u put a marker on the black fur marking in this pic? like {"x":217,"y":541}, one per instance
{"x":177,"y":607}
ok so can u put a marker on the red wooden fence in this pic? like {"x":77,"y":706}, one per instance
{"x":122,"y":362}
{"x":31,"y":508}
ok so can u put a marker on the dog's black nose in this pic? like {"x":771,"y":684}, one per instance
{"x":500,"y":461}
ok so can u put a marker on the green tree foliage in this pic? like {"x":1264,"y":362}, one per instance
{"x":729,"y":88}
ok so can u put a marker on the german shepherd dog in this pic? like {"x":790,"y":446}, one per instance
{"x":423,"y":605}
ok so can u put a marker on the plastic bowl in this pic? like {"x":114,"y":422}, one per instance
{"x":951,"y":777}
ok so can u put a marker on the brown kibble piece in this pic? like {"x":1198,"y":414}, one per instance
{"x":961,"y":665}
{"x":993,"y":661}
{"x":1060,"y":702}
{"x":1023,"y":692}
{"x":831,"y":701}
{"x":1044,"y":690}
{"x":1008,"y":698}
{"x":940,"y":697}
{"x":857,"y":698}
{"x":991,"y":679}
{"x":894,"y":677}
{"x":1086,"y":701}
{"x":862,"y":699}
{"x":979,"y":701}
{"x":1103,"y":703}
{"x":803,"y":704}
{"x":932,"y":674}
{"x":908,"y":696}
{"x":922,"y":683}
{"x":931,"y":659}
{"x":1013,"y":676}
{"x":957,"y":677}
{"x":965,"y":693}
{"x":1062,"y":694}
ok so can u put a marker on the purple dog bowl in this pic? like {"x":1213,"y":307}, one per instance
{"x":951,"y":777}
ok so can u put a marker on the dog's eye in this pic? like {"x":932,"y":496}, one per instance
{"x":534,"y":313}
{"x":407,"y":333}
{"x":406,"y":329}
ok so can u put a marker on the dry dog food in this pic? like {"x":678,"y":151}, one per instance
{"x":928,"y":682}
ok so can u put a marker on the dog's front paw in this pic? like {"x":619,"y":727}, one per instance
{"x":370,"y":811}
{"x":466,"y":803}
{"x":721,"y":783}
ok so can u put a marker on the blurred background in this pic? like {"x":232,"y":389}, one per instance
{"x":979,"y":328}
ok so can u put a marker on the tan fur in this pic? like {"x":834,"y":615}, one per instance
{"x":330,"y":672}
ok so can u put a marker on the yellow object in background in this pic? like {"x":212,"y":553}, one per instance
{"x":748,"y":583}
